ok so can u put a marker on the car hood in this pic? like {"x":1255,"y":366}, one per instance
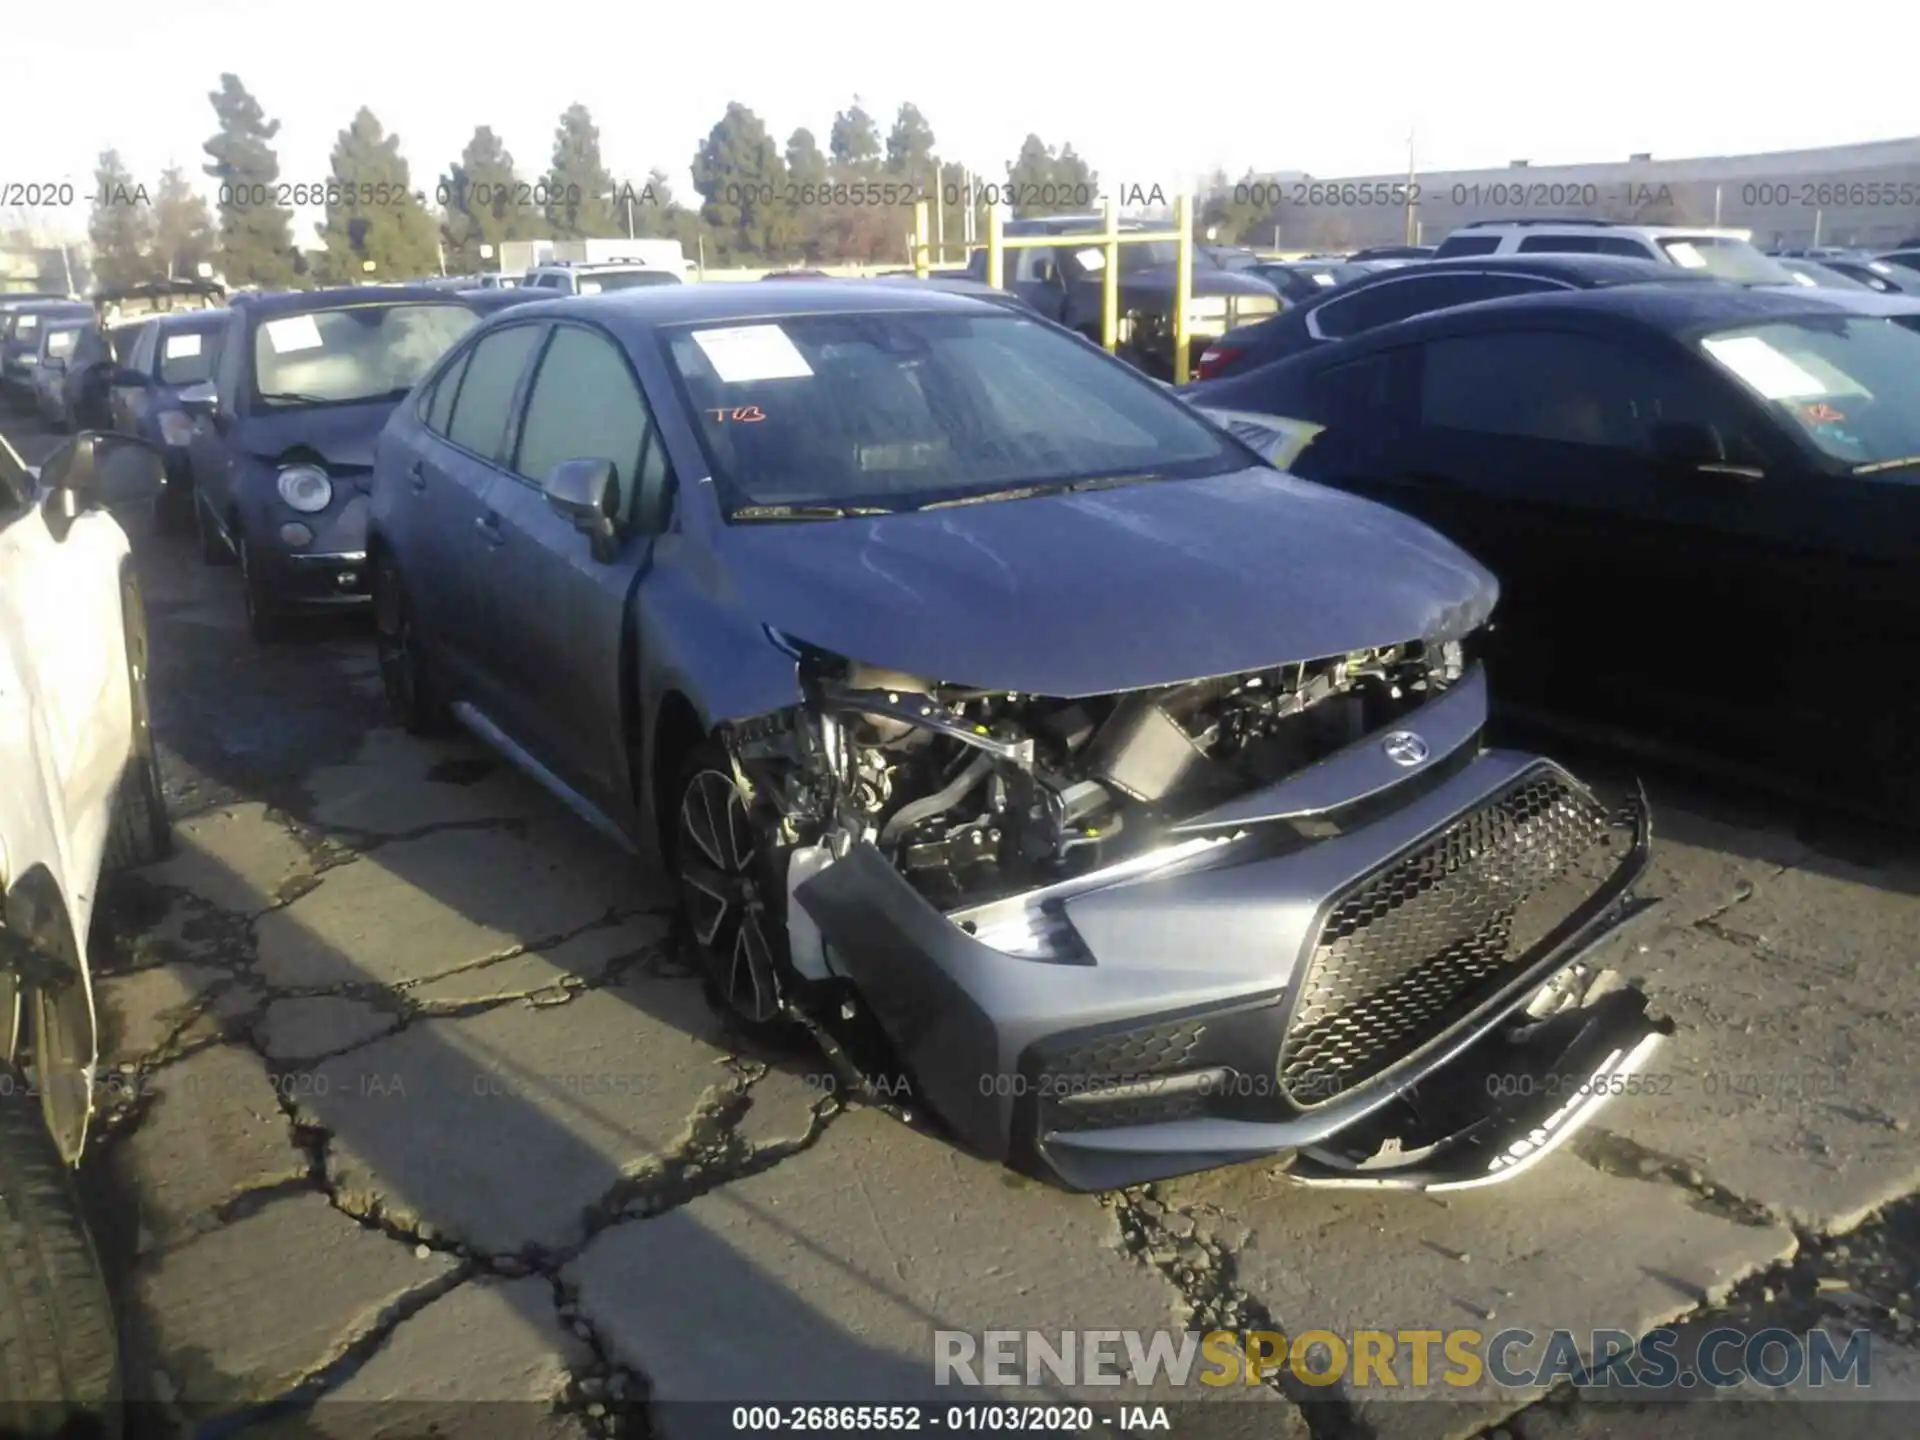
{"x":341,"y":434}
{"x":1149,"y":584}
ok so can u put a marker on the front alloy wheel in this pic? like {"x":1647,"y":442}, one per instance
{"x":735,"y":913}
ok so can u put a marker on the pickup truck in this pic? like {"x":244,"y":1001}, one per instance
{"x":1064,"y":283}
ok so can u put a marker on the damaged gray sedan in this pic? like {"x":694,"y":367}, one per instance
{"x":1015,"y":730}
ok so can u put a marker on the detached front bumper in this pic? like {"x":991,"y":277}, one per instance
{"x":1349,"y":986}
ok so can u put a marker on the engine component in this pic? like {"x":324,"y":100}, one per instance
{"x":980,"y":795}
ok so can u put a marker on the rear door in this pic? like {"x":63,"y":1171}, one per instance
{"x":444,"y":505}
{"x":562,"y":621}
{"x":1623,"y":584}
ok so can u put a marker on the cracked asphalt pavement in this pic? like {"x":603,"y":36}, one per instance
{"x":409,"y":1096}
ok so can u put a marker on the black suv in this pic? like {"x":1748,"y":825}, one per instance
{"x":1065,"y":284}
{"x":1418,"y":289}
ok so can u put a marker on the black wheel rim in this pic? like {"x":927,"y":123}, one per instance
{"x":718,"y":859}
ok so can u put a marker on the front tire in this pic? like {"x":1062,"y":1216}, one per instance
{"x":264,"y":621}
{"x":413,"y":691}
{"x":140,"y":833}
{"x":59,"y":1346}
{"x":733,"y":899}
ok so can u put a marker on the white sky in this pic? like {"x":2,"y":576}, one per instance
{"x":1481,"y":85}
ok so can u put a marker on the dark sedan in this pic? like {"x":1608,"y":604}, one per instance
{"x":1301,"y":280}
{"x":997,"y":713}
{"x":282,"y":444}
{"x":1702,"y":501}
{"x":21,"y":324}
{"x":1418,"y":288}
{"x":169,"y":354}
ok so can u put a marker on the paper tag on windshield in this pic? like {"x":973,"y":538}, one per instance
{"x":1765,"y":368}
{"x":1681,"y":253}
{"x":589,"y":287}
{"x":752,"y":352}
{"x":1092,"y":258}
{"x":179,"y":345}
{"x":1323,"y":278}
{"x":294,"y":332}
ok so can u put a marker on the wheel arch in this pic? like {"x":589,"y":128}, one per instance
{"x":678,"y":731}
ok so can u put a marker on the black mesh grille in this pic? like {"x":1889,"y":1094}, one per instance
{"x":1128,"y":1054}
{"x":1417,"y":946}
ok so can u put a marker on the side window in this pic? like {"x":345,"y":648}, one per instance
{"x":1399,"y":299}
{"x":585,"y":405}
{"x":185,"y":358}
{"x":142,"y":357}
{"x":1028,"y":265}
{"x":1353,"y":393}
{"x":438,"y":410}
{"x":1573,"y":389}
{"x":1587,"y":245}
{"x":1467,"y":245}
{"x":480,"y":410}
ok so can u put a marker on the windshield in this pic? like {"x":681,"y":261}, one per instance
{"x":357,"y":352}
{"x":187,"y":356}
{"x":1726,"y":258}
{"x":599,"y":280}
{"x":1851,"y":385}
{"x":899,"y":410}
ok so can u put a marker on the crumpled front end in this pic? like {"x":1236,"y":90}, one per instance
{"x":1300,"y":912}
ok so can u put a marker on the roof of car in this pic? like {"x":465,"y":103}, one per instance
{"x":1597,"y":269}
{"x":295,"y":302}
{"x":1680,"y":310}
{"x":771,"y":300}
{"x":211,"y":317}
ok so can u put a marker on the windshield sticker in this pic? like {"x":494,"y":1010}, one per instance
{"x":182,"y":345}
{"x":740,"y":353}
{"x":745,"y":414}
{"x":1683,"y":253}
{"x":1756,"y":362}
{"x":294,"y":333}
{"x":589,"y":287}
{"x":1092,"y":258}
{"x":1322,"y":277}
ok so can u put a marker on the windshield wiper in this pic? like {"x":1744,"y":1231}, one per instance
{"x":805,"y":512}
{"x":1015,"y":492}
{"x":1051,"y":487}
{"x":1874,"y":467}
{"x":297,"y":396}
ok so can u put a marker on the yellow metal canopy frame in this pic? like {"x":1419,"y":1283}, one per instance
{"x":1109,"y":238}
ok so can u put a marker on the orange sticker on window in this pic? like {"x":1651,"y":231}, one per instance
{"x":1821,"y":413}
{"x":745,"y":414}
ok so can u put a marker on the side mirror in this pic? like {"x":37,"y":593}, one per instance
{"x":587,"y":492}
{"x":201,"y":399}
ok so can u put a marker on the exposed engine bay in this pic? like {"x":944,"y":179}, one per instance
{"x":974,"y":795}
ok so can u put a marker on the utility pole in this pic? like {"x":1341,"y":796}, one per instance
{"x":1411,"y":230}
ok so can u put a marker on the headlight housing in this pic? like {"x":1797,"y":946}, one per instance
{"x":306,"y":488}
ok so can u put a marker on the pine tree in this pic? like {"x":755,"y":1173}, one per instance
{"x":854,"y":143}
{"x":373,"y":212}
{"x":483,"y":202}
{"x":120,"y":226}
{"x":256,"y":234}
{"x":183,"y":236}
{"x":742,"y":177}
{"x":578,"y":182}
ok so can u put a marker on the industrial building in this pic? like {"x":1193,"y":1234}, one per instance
{"x":1866,"y":195}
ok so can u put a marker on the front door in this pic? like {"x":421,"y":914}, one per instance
{"x":562,"y":626}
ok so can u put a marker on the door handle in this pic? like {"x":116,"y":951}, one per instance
{"x":416,"y":478}
{"x":489,"y":527}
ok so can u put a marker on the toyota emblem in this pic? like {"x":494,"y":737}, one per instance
{"x":1403,"y":747}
